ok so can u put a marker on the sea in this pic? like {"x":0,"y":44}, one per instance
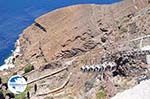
{"x":16,"y":15}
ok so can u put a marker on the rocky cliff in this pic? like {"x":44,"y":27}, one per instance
{"x":78,"y":35}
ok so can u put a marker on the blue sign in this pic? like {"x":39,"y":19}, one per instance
{"x":17,"y":84}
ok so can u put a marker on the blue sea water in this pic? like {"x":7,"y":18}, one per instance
{"x":16,"y":15}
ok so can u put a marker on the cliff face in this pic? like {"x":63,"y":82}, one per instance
{"x":79,"y":35}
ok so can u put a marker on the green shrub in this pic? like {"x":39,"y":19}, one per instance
{"x":1,"y":95}
{"x":4,"y":79}
{"x":28,"y":68}
{"x":49,"y":97}
{"x":101,"y":94}
{"x":15,"y":73}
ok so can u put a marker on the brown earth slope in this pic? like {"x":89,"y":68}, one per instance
{"x":72,"y":27}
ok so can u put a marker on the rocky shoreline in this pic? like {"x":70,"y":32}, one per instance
{"x":9,"y":62}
